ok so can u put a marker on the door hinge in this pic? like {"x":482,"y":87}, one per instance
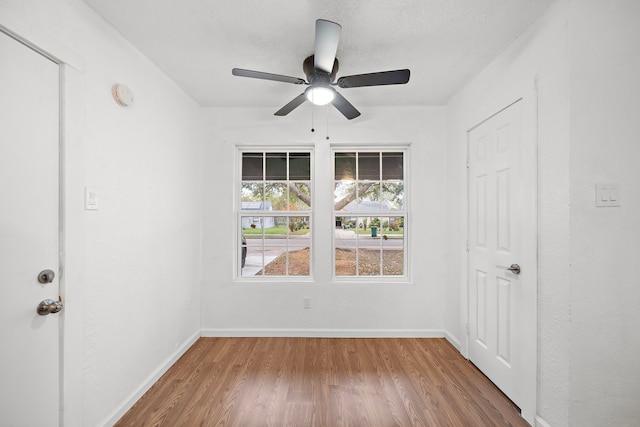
{"x":467,"y":246}
{"x":467,"y":328}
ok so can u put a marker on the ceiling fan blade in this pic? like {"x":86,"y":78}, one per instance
{"x":295,"y":102}
{"x":327,"y":39}
{"x":396,"y":77}
{"x":267,"y":76}
{"x":345,"y":107}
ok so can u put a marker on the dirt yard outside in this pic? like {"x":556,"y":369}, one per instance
{"x":368,"y":260}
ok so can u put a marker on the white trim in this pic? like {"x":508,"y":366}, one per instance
{"x":38,"y":40}
{"x":128,"y":402}
{"x":539,"y":422}
{"x":323,"y":333}
{"x":453,"y":341}
{"x":73,"y":234}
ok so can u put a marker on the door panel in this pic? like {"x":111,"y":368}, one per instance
{"x":29,"y":235}
{"x":501,"y":301}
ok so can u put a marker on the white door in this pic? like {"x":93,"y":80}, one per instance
{"x":29,"y":234}
{"x":502,"y":235}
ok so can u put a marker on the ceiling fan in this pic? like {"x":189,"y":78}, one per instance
{"x":321,"y":68}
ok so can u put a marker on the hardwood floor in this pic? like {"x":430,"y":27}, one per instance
{"x":322,"y":382}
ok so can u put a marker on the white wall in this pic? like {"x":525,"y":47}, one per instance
{"x":605,"y":242}
{"x":141,"y":264}
{"x":337,"y":309}
{"x":539,"y":54}
{"x":584,"y":54}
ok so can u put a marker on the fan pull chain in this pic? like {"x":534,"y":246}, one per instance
{"x":312,"y":108}
{"x":327,"y":110}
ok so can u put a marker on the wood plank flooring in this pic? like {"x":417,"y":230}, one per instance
{"x":322,"y":382}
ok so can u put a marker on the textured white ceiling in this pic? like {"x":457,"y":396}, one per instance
{"x":197,"y":42}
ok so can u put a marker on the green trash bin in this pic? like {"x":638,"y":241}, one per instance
{"x":374,"y":231}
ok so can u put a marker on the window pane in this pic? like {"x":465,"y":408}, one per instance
{"x":252,"y":196}
{"x":392,"y":246}
{"x":299,"y":227}
{"x":300,"y":196}
{"x":345,"y":243}
{"x":299,"y":246}
{"x":275,"y":260}
{"x":276,"y":197}
{"x":276,"y":166}
{"x":299,"y":166}
{"x":345,"y":261}
{"x":345,"y":166}
{"x":299,"y":261}
{"x":393,"y":261}
{"x":344,"y":195}
{"x":252,"y":166}
{"x":368,"y":262}
{"x":251,"y":245}
{"x":393,"y":195}
{"x":252,"y":225}
{"x":369,"y":166}
{"x":368,"y":200}
{"x":369,"y":241}
{"x":392,"y":166}
{"x":277,"y":232}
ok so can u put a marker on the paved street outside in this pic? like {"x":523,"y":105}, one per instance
{"x":344,"y":239}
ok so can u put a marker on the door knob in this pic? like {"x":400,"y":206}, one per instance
{"x":46,"y":276}
{"x":49,"y":306}
{"x":514,"y":268}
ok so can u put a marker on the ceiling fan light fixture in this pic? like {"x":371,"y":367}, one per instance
{"x":320,"y":95}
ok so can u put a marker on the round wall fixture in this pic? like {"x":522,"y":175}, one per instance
{"x":122,"y":94}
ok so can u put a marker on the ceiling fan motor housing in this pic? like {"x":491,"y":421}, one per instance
{"x":313,"y":74}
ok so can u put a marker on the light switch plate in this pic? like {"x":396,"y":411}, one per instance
{"x":90,"y":198}
{"x":607,"y":195}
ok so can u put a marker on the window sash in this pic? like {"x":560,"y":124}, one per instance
{"x":347,"y":166}
{"x":271,"y":182}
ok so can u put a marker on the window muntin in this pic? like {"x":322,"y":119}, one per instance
{"x":275,"y":214}
{"x":369,"y":214}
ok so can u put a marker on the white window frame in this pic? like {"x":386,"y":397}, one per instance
{"x":260,"y":214}
{"x":404,"y":212}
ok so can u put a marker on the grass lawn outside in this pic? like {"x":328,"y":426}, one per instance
{"x":280,"y":230}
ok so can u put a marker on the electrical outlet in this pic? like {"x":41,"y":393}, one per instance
{"x":307,"y":302}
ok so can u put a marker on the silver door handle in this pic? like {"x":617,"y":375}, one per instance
{"x":514,"y":268}
{"x":49,"y":306}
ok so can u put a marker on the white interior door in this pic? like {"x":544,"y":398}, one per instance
{"x":29,"y":235}
{"x":502,"y":234}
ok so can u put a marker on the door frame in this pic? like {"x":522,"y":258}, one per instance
{"x":71,"y":194}
{"x":527,"y":93}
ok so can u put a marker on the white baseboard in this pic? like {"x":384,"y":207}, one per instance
{"x":325,"y":333}
{"x":453,"y":341}
{"x":541,"y":423}
{"x":148,"y":382}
